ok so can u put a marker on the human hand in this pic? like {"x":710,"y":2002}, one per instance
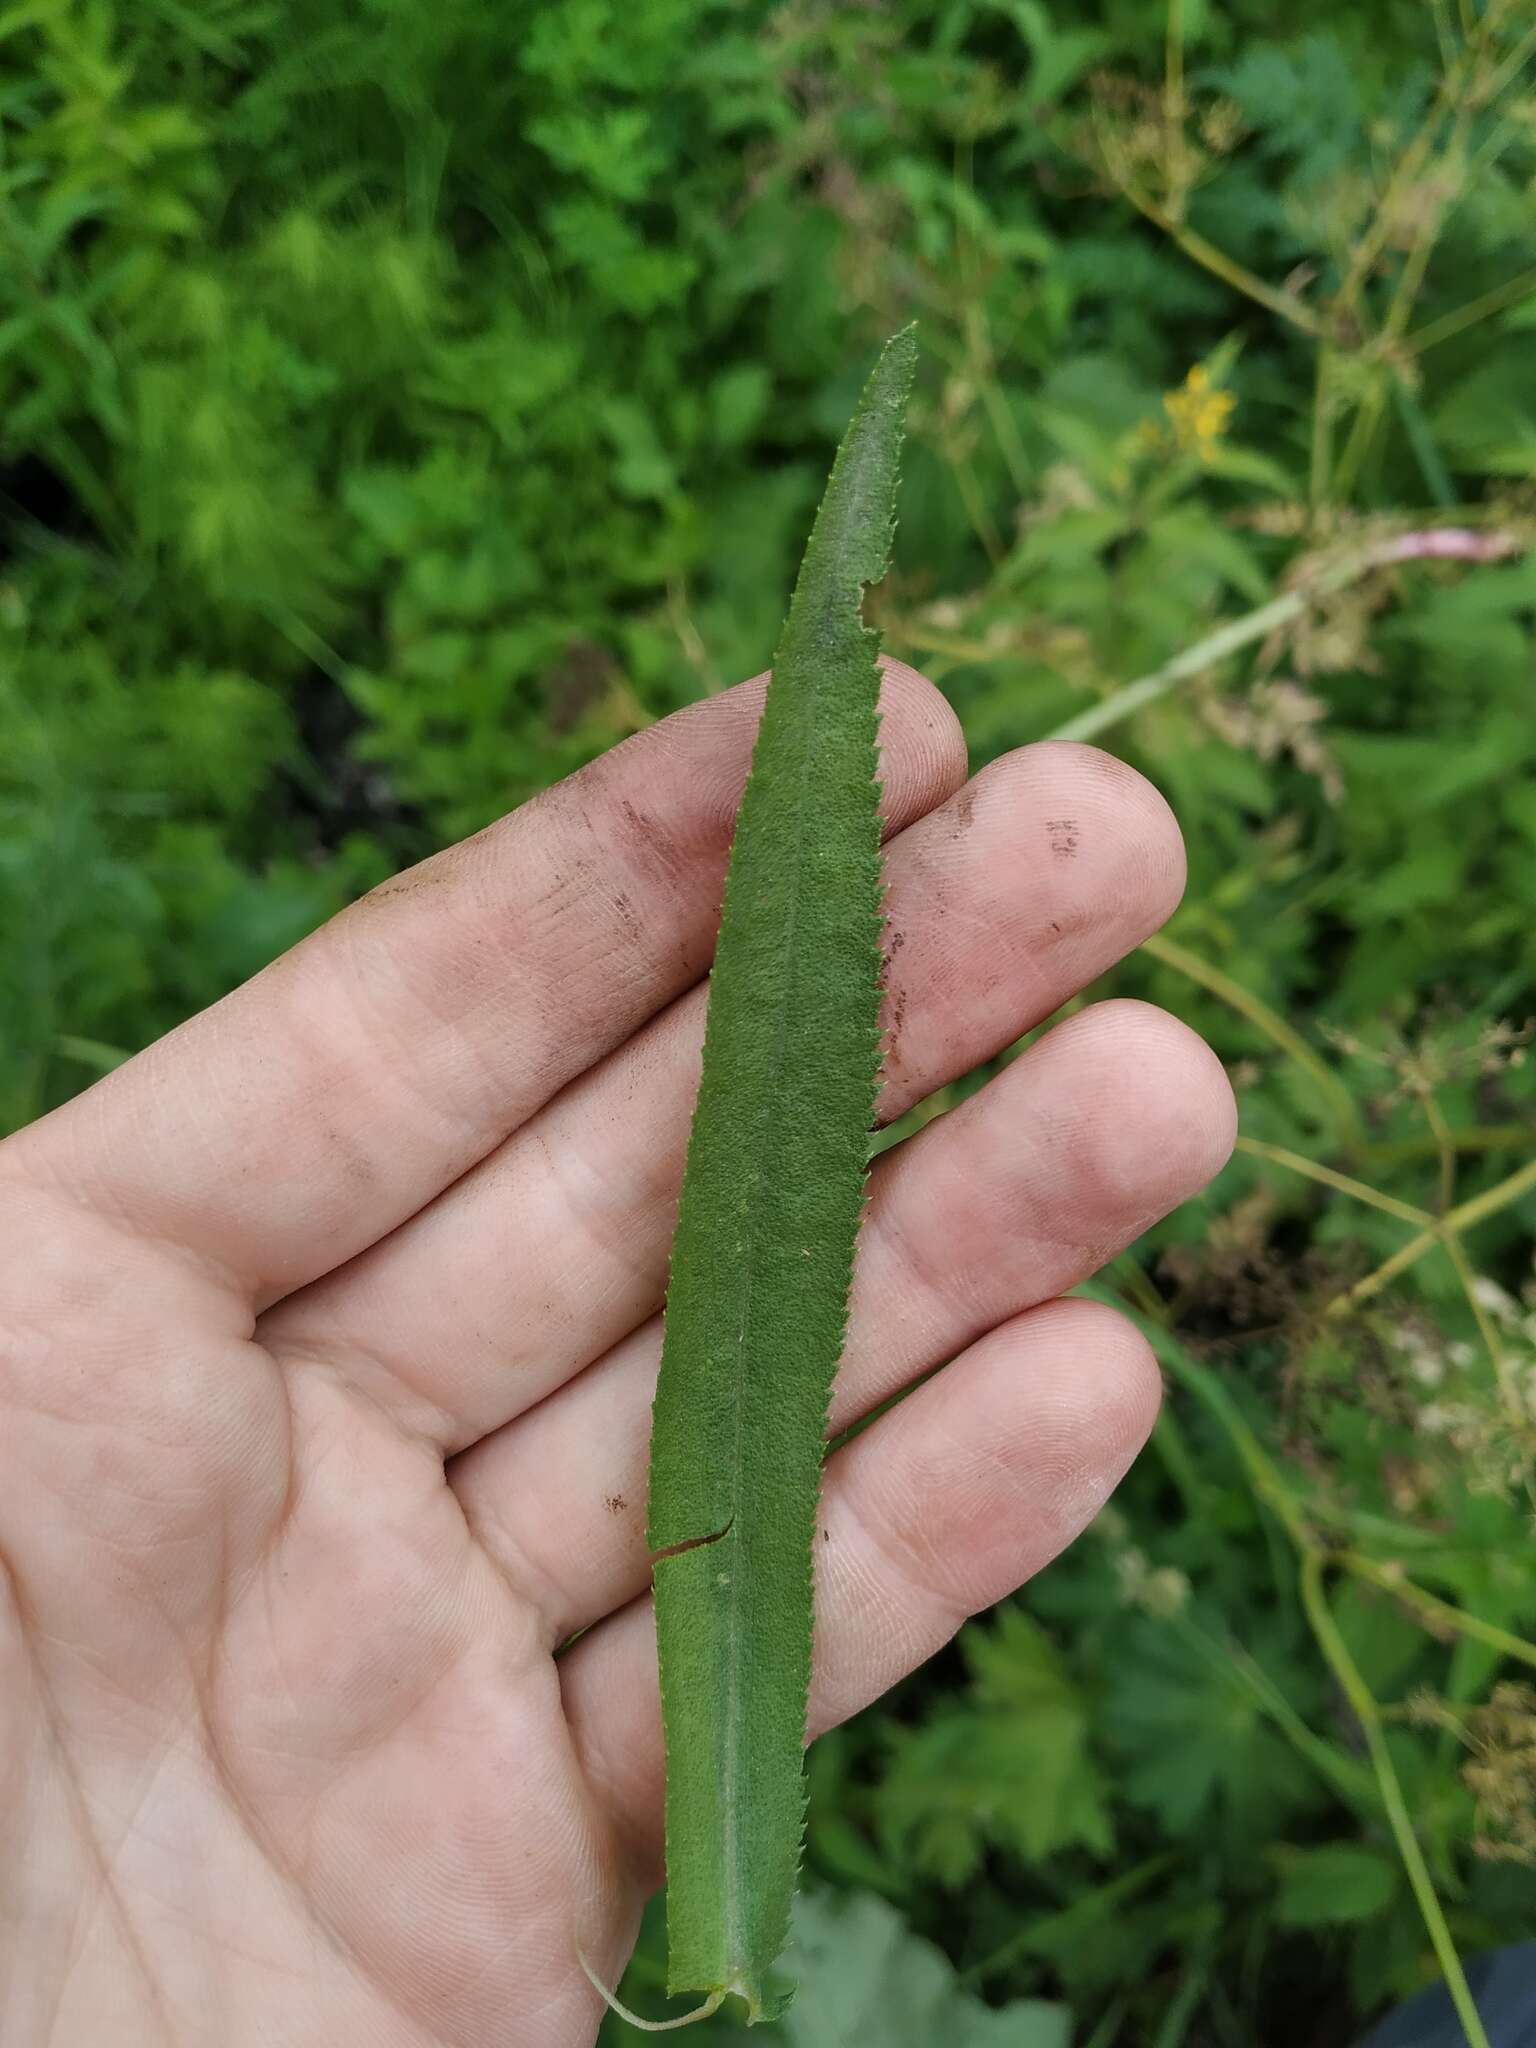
{"x":328,"y":1331}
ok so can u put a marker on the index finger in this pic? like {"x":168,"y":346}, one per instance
{"x":306,"y":1115}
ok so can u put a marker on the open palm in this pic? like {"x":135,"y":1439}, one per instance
{"x":328,"y":1331}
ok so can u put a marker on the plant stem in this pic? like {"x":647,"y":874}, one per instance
{"x":1175,"y":2028}
{"x":1465,"y":1214}
{"x":1346,"y":1774}
{"x":1193,"y":661}
{"x":1365,"y":423}
{"x":981,"y":359}
{"x":1116,"y":1892}
{"x":1358,"y":1189}
{"x":975,"y":508}
{"x":1322,"y":430}
{"x":1433,"y":332}
{"x":1219,"y":264}
{"x":1168,"y":1442}
{"x":1509,"y":1393}
{"x":1270,"y":1487}
{"x":706,"y":2011}
{"x":1470,"y":1138}
{"x":1441,"y":1613}
{"x":1362,"y":1700}
{"x":1363,"y":1290}
{"x":1195,"y":246}
{"x":1263,"y":1474}
{"x":1461,"y":1218}
{"x":1323,"y":581}
{"x":1441,"y":1131}
{"x":1173,"y":105}
{"x":1107,"y":2032}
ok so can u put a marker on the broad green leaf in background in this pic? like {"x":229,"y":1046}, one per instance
{"x":867,"y":1981}
{"x":1011,"y":1766}
{"x":763,"y":1254}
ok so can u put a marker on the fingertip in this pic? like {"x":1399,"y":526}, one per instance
{"x":1101,"y":813}
{"x":969,"y":1488}
{"x":1153,"y":1113}
{"x":1071,"y":1390}
{"x":1117,"y":1381}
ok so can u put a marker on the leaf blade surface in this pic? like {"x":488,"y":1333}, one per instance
{"x":763,"y":1253}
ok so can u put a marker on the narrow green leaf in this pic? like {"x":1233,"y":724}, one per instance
{"x":763,"y":1254}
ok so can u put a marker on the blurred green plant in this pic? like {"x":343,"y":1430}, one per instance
{"x":398,"y":405}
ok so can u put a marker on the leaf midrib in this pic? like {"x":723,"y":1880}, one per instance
{"x":735,"y":1933}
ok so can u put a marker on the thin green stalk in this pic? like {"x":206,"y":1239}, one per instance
{"x":1513,"y":64}
{"x":1237,"y":633}
{"x":1470,"y":1138}
{"x":1322,"y":430}
{"x":1128,"y":1268}
{"x":976,"y":508}
{"x":303,"y":636}
{"x":1433,"y":332}
{"x":982,"y":360}
{"x":1451,"y":99}
{"x":1422,"y":444}
{"x":1175,"y":2027}
{"x":1173,"y":103}
{"x":1437,"y":1612}
{"x":1178,"y":1460}
{"x":1219,"y":264}
{"x":1270,"y":1487}
{"x":1278,"y":1155}
{"x":1194,"y":661}
{"x":1460,"y":1219}
{"x":1263,"y":1474}
{"x":1434,"y":1116}
{"x":1443,"y":34}
{"x":1367,"y":418}
{"x":1411,"y":278}
{"x":1196,"y":247}
{"x":1389,"y":1270}
{"x":1458,"y":72}
{"x":1363,"y":1525}
{"x":1480,"y":1207}
{"x":1344,"y":1773}
{"x":1030,"y":1937}
{"x":1405,"y":171}
{"x":89,"y":1052}
{"x":1509,"y":1393}
{"x":1006,"y":433}
{"x":1346,"y":1114}
{"x":1367,"y":1712}
{"x":1107,"y":2032}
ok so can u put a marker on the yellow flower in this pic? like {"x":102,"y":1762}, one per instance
{"x":1198,"y":412}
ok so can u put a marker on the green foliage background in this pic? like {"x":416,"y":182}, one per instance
{"x":399,"y":404}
